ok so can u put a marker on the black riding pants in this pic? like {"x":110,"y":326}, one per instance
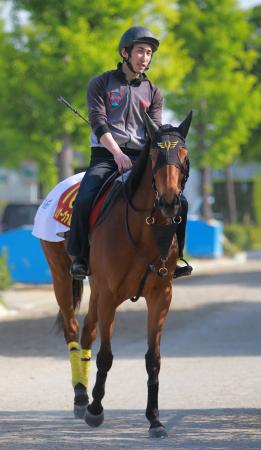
{"x":100,"y":169}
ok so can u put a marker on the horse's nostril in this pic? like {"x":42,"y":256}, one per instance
{"x":161,"y":202}
{"x":175,"y":201}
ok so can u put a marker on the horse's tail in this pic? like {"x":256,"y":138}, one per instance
{"x":77,"y":291}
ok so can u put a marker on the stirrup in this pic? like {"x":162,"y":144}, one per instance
{"x":79,"y":271}
{"x":183,"y":271}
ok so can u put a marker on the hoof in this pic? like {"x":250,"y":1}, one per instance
{"x":93,"y":420}
{"x":79,"y":411}
{"x":158,"y":432}
{"x":81,"y":401}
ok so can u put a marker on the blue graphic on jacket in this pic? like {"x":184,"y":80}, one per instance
{"x":115,"y":98}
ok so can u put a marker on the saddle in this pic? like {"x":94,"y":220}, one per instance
{"x":104,"y":200}
{"x":101,"y":205}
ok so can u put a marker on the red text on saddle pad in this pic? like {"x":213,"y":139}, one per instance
{"x":63,"y":212}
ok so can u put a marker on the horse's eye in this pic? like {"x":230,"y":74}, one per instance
{"x":153,"y":153}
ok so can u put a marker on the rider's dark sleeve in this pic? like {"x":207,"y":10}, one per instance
{"x":155,"y":109}
{"x":96,"y":106}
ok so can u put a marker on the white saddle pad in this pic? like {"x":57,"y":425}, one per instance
{"x":45,"y":226}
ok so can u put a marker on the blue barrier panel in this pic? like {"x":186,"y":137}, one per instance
{"x":204,"y":239}
{"x":26,"y":260}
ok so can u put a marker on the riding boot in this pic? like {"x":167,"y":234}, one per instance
{"x":80,"y":267}
{"x":182,"y":271}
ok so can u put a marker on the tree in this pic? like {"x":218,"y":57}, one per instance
{"x":56,"y":52}
{"x":220,"y":88}
{"x":251,"y":150}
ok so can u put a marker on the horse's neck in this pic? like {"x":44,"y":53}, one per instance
{"x":144,"y":197}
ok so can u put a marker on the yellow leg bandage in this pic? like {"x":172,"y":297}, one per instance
{"x":86,"y":364}
{"x":75,"y":360}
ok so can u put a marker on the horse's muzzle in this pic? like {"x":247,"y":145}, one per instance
{"x":169,"y":209}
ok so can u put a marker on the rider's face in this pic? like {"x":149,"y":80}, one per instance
{"x":140,"y":57}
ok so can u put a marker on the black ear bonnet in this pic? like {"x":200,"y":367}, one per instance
{"x":167,"y":142}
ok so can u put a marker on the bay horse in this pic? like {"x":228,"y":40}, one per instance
{"x":133,"y":252}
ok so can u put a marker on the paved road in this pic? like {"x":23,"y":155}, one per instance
{"x":210,"y":383}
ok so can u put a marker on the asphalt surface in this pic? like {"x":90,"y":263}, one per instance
{"x":210,"y":388}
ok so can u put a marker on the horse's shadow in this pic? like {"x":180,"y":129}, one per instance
{"x":193,"y":429}
{"x":206,"y":330}
{"x":244,"y":279}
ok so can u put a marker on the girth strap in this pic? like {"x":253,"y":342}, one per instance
{"x":142,"y":284}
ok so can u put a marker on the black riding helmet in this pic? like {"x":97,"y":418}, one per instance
{"x":135,"y":35}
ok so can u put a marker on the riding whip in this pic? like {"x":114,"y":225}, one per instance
{"x":69,"y":106}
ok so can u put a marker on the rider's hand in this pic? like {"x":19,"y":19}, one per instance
{"x":123,"y":161}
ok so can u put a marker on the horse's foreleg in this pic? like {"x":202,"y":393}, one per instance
{"x":158,"y":306}
{"x":106,"y":312}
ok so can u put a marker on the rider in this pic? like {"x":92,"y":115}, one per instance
{"x":118,"y":134}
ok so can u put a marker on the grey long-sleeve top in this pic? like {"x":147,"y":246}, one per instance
{"x":114,"y":106}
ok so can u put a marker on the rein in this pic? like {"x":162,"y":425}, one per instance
{"x":163,"y":235}
{"x":167,"y":154}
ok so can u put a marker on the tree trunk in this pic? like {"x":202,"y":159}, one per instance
{"x":205,"y":172}
{"x":65,"y":158}
{"x":206,"y":192}
{"x":231,"y":197}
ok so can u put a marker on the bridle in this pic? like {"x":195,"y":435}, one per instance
{"x":167,"y":154}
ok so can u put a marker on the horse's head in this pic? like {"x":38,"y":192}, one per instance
{"x":170,"y":163}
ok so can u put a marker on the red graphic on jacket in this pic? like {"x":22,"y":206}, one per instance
{"x":115,"y":98}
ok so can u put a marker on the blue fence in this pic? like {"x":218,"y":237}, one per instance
{"x":204,"y":239}
{"x":26,"y":260}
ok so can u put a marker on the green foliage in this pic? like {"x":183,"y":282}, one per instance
{"x":230,"y":249}
{"x":56,"y":53}
{"x":254,"y":233}
{"x":63,"y":44}
{"x":220,"y":87}
{"x":237,"y":235}
{"x":5,"y":279}
{"x":251,"y":150}
{"x":61,"y":47}
{"x":240,"y":237}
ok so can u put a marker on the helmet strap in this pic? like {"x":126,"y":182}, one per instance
{"x":128,"y":62}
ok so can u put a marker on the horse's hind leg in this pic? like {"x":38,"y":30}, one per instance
{"x":158,"y":303}
{"x":106,"y":312}
{"x":59,"y":263}
{"x":87,"y":337}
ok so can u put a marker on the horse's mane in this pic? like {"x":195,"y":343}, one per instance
{"x":133,"y":181}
